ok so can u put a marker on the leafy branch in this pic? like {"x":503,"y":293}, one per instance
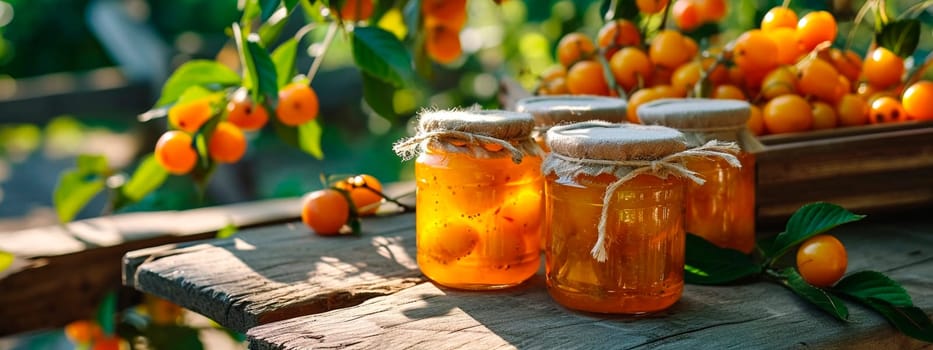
{"x":386,"y":65}
{"x":709,"y":264}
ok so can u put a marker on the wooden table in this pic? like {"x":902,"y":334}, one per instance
{"x":60,"y":273}
{"x":288,"y":288}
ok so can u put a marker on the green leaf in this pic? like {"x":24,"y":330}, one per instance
{"x":380,"y":54}
{"x":284,"y":60}
{"x":810,"y":220}
{"x":147,"y":177}
{"x":250,"y":10}
{"x":6,"y":259}
{"x":200,"y":142}
{"x":819,"y":297}
{"x":74,"y":190}
{"x":227,"y":231}
{"x":200,"y":145}
{"x":268,"y":7}
{"x":888,"y":298}
{"x":92,"y":164}
{"x":265,"y":73}
{"x":196,"y":72}
{"x":309,"y":138}
{"x":910,"y":320}
{"x":195,"y":92}
{"x":290,"y":5}
{"x":246,"y":60}
{"x":901,"y":37}
{"x":379,"y":95}
{"x":306,"y":137}
{"x":707,"y":263}
{"x":870,"y":284}
{"x":313,"y":10}
{"x":106,"y":313}
{"x":270,"y":30}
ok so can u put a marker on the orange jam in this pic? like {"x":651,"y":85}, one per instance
{"x":480,"y":197}
{"x":614,"y":204}
{"x":478,"y":220}
{"x":722,"y":210}
{"x":645,"y":244}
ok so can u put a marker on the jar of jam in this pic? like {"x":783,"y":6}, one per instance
{"x":621,"y":248}
{"x":479,"y":197}
{"x":722,"y":209}
{"x":549,"y":111}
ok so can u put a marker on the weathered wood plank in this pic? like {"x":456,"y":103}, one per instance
{"x":274,"y":273}
{"x":869,"y":173}
{"x":118,"y":229}
{"x":760,"y":315}
{"x":842,"y":131}
{"x":63,"y":272}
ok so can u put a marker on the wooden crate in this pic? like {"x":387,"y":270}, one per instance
{"x":866,"y":169}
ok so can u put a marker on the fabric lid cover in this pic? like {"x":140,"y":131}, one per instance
{"x":504,"y":125}
{"x":553,"y":110}
{"x":695,"y":113}
{"x":608,"y":141}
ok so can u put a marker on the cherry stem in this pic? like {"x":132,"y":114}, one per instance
{"x":611,"y":13}
{"x":704,"y":75}
{"x":859,"y":17}
{"x":328,"y":39}
{"x":918,"y":8}
{"x":881,"y":6}
{"x":774,"y":275}
{"x":405,"y":207}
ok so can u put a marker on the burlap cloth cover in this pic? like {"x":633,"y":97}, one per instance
{"x":566,"y":109}
{"x":480,"y":133}
{"x":703,"y":120}
{"x":626,"y":151}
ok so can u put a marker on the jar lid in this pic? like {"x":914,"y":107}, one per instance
{"x":608,"y":141}
{"x":503,"y":125}
{"x":553,"y":110}
{"x":695,"y":113}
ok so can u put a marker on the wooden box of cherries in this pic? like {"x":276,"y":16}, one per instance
{"x":850,"y":128}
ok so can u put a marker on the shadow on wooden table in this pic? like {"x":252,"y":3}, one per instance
{"x":525,"y":316}
{"x":278,"y":272}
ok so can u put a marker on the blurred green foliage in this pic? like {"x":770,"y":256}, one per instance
{"x":47,"y":36}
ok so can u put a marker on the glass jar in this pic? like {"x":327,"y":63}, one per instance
{"x":549,"y":111}
{"x":643,"y":245}
{"x":479,"y":204}
{"x":721,"y":210}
